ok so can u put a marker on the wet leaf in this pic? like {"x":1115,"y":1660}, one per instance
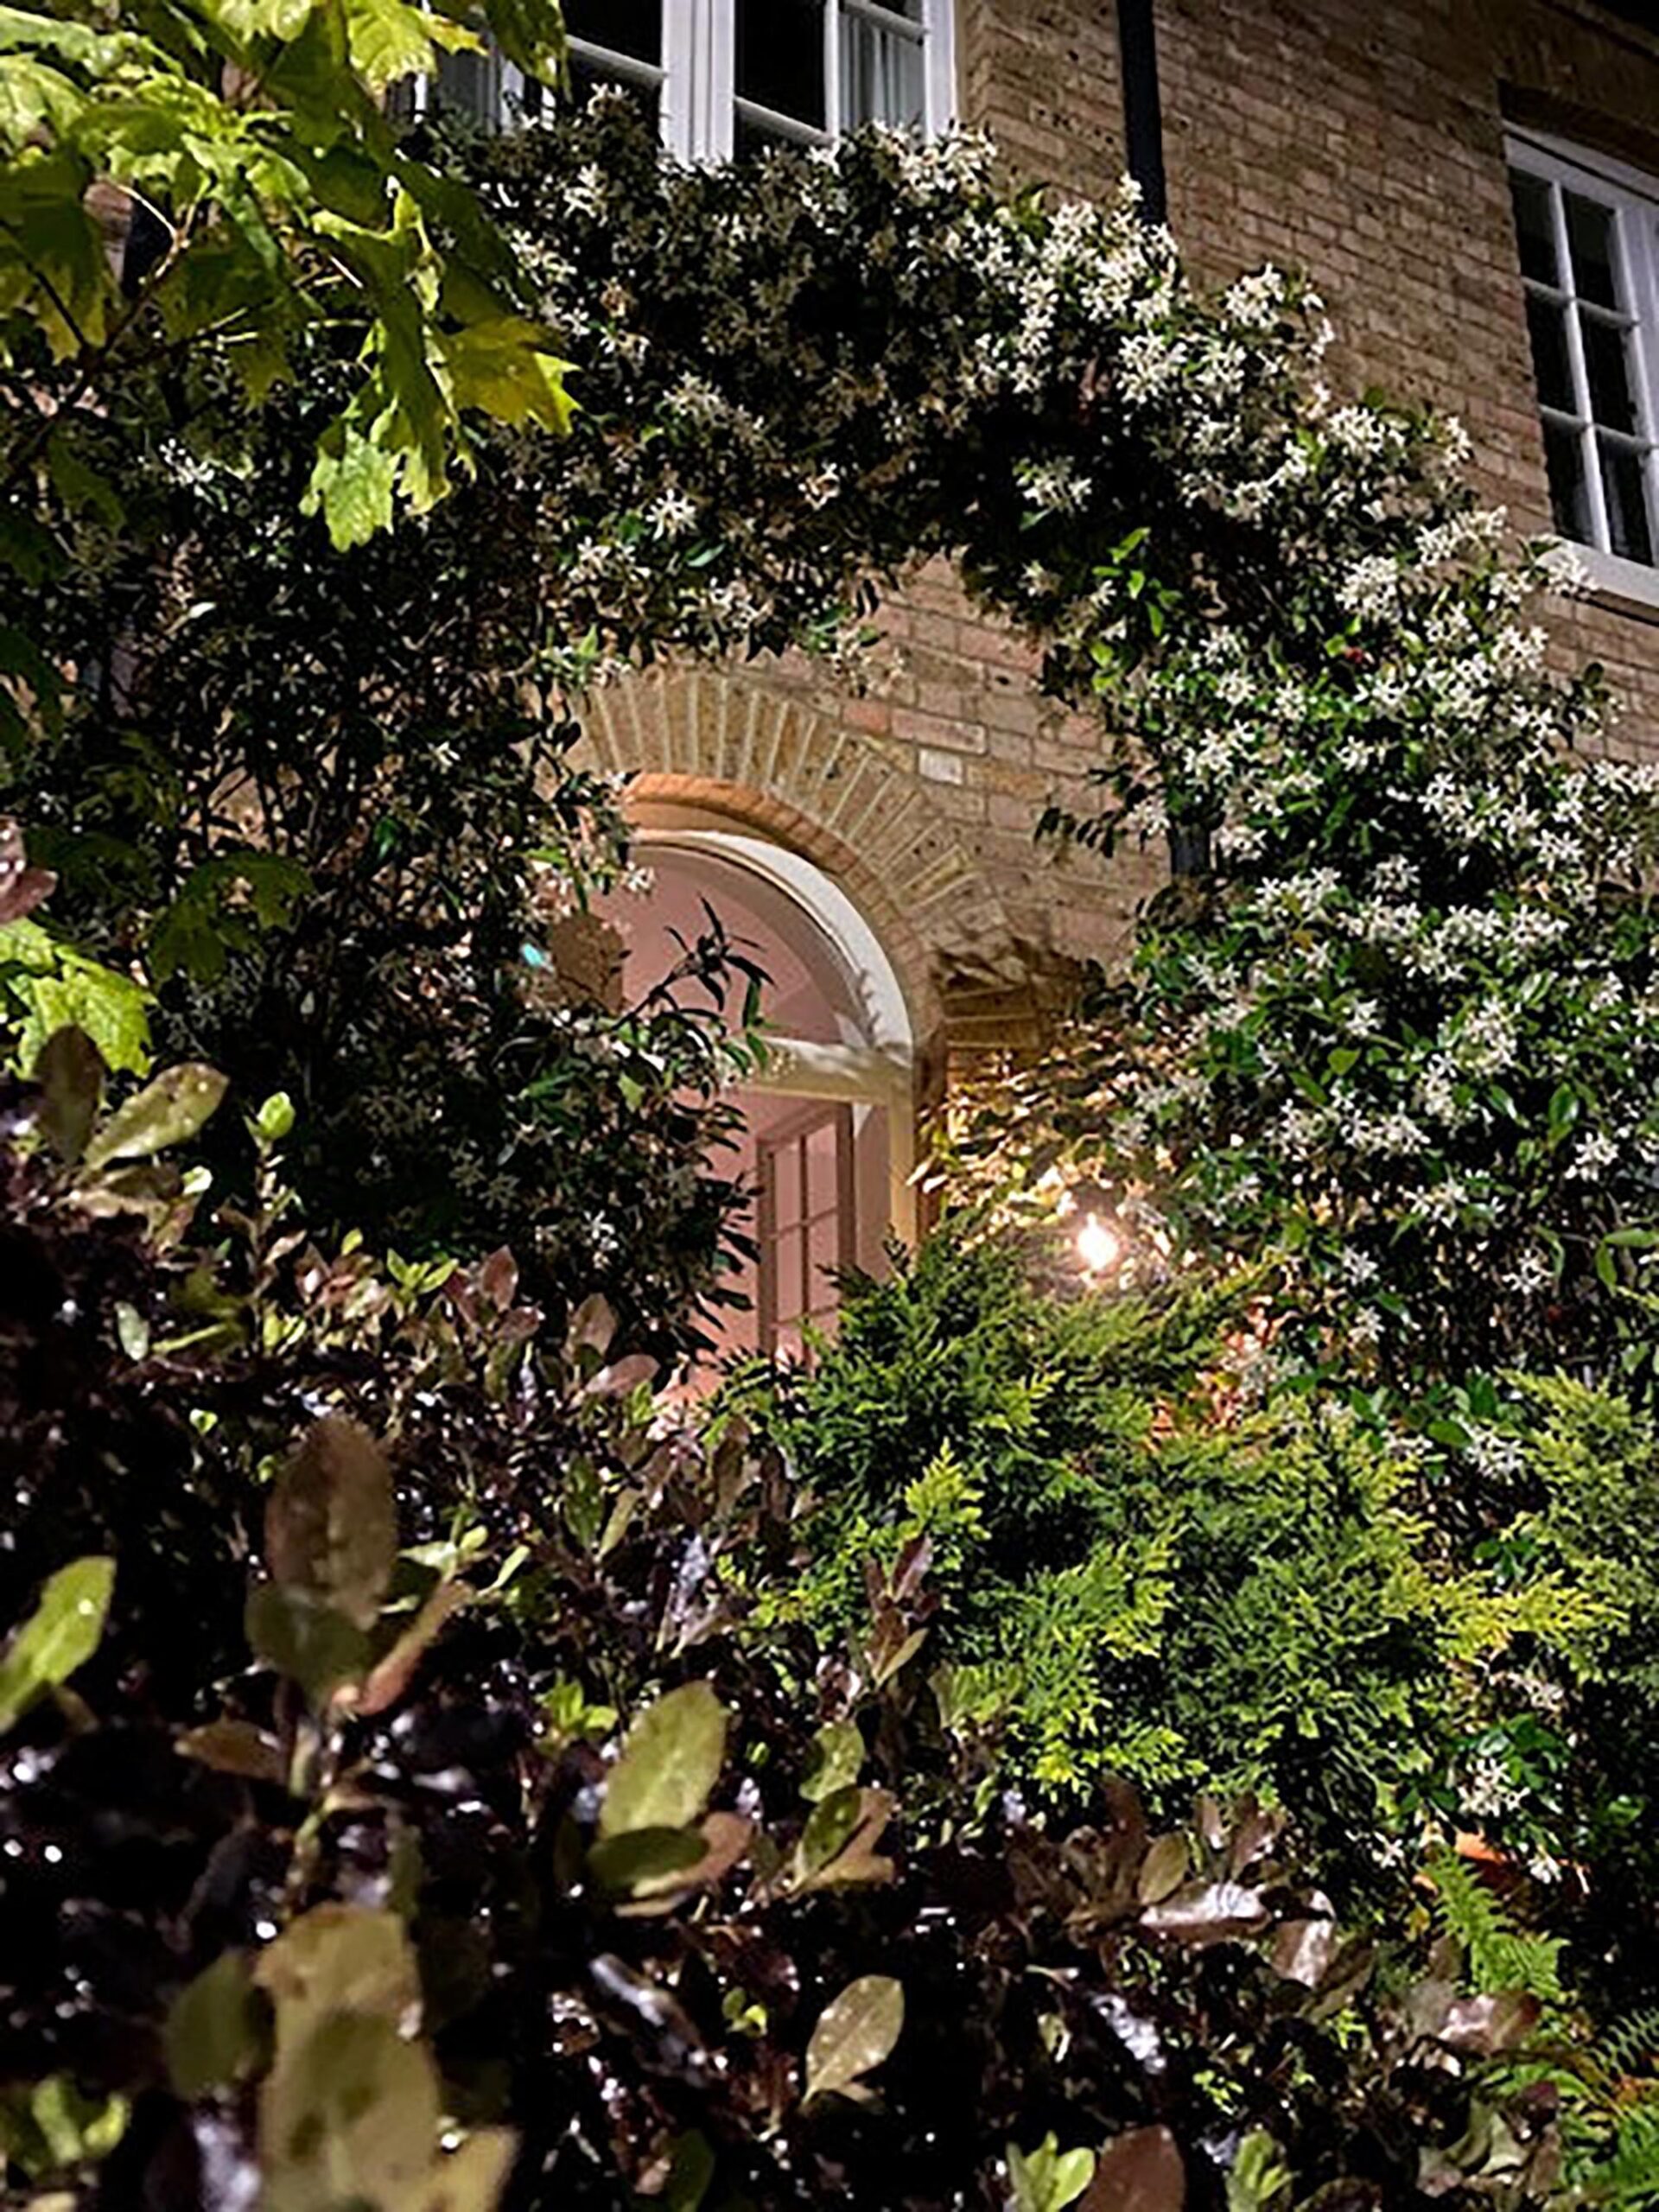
{"x":331,"y":1523}
{"x":854,"y":1860}
{"x":391,"y":1673}
{"x":1487,"y":2025}
{"x":308,"y":1643}
{"x":723,"y":1839}
{"x":644,"y":1857}
{"x":1163,"y":1870}
{"x":836,"y":1757}
{"x":216,"y":2030}
{"x":1302,"y":1951}
{"x":350,"y":2116}
{"x":70,"y":1072}
{"x":340,"y":1958}
{"x":165,"y":1112}
{"x":855,"y":2032}
{"x":1141,"y":2171}
{"x":60,"y":1635}
{"x":235,"y":1747}
{"x":1218,"y":1912}
{"x":472,"y":2179}
{"x":668,"y":1766}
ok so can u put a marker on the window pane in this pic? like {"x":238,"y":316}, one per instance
{"x":1590,"y":232}
{"x":632,"y":27}
{"x":1534,"y":228}
{"x":1551,"y":365}
{"x":788,"y":1254}
{"x":881,"y":75}
{"x":1607,"y":357}
{"x":1563,"y":456}
{"x":823,"y":1154}
{"x":1628,"y":529}
{"x":785,"y":1185}
{"x":780,"y":57}
{"x":469,"y":84}
{"x":825,"y":1259}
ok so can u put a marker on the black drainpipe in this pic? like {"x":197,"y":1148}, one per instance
{"x":1143,"y":114}
{"x":1143,"y":150}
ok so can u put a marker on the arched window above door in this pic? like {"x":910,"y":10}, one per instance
{"x":828,"y":1123}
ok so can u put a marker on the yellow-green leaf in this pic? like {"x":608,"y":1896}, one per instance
{"x":60,"y":1635}
{"x":670,"y":1763}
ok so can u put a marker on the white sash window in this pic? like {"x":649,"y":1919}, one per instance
{"x":720,"y":77}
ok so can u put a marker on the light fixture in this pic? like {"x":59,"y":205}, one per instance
{"x":1099,"y":1246}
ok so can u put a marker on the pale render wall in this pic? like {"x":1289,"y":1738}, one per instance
{"x":1360,"y":140}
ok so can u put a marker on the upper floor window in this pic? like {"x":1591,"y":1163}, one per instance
{"x":1588,"y":233}
{"x":721,"y":77}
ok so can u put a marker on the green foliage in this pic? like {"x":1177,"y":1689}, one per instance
{"x":251,"y":136}
{"x":1498,"y":1956}
{"x":1136,"y":1571}
{"x":58,"y":1636}
{"x":369,"y":1889}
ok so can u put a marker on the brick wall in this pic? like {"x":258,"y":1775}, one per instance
{"x":1360,"y":140}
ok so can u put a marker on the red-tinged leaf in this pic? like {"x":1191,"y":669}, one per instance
{"x":725,"y":1837}
{"x":391,"y":1673}
{"x":854,"y":1862}
{"x":22,"y":888}
{"x":331,"y":1524}
{"x":593,"y":1325}
{"x":1487,"y":2025}
{"x":1303,"y":1949}
{"x":622,"y":1376}
{"x":236,"y":1747}
{"x":1141,"y":2171}
{"x":497,"y":1279}
{"x":1219,"y":1912}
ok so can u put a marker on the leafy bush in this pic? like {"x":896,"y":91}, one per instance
{"x":1140,"y":1570}
{"x":745,"y":1949}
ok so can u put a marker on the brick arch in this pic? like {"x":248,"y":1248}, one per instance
{"x":769,"y":761}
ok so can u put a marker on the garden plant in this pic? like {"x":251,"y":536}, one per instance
{"x":1186,"y":1740}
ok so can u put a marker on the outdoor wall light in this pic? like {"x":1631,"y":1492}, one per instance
{"x":1099,"y":1246}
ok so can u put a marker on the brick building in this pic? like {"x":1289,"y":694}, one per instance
{"x":1473,"y":185}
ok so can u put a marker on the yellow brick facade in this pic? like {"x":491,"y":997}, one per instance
{"x":1358,"y":140}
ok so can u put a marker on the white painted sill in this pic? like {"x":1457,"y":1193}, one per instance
{"x":1625,"y":587}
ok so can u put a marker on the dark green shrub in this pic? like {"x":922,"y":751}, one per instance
{"x":407,"y":1803}
{"x":1138,"y":1572}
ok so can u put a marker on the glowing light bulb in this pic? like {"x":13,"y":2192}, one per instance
{"x":1098,"y":1247}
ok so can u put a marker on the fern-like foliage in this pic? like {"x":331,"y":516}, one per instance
{"x":1500,"y":1956}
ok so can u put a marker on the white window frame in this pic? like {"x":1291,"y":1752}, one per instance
{"x":695,"y":81}
{"x":1633,"y":196}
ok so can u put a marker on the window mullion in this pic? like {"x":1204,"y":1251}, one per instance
{"x":834,"y":118}
{"x":1589,"y":445}
{"x":716,"y":77}
{"x":682,"y":51}
{"x":939,"y":64}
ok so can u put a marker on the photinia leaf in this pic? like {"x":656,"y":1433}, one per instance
{"x":855,"y":2032}
{"x":1141,"y":2171}
{"x":165,"y":1112}
{"x":60,"y":1635}
{"x":668,"y":1766}
{"x":216,"y":2031}
{"x":331,"y":1522}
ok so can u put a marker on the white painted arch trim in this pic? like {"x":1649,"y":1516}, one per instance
{"x":881,"y":1073}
